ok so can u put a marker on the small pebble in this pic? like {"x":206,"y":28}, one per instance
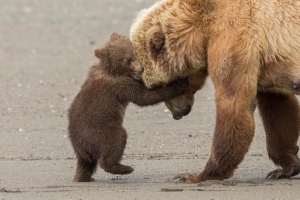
{"x":27,"y":10}
{"x":33,"y":51}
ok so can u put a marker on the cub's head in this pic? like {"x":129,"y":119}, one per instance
{"x":117,"y":57}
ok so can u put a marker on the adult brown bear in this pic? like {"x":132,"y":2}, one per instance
{"x":251,"y":51}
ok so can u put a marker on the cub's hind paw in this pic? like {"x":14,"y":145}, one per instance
{"x":120,"y":169}
{"x":83,"y":179}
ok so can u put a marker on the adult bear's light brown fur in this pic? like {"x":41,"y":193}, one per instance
{"x":251,"y":51}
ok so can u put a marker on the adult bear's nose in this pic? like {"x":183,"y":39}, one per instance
{"x":177,"y":116}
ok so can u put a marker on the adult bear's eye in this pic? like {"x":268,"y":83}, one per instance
{"x":128,"y":62}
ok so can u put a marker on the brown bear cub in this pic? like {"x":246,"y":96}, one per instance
{"x":97,"y":112}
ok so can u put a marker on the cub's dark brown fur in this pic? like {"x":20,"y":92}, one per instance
{"x":97,"y":112}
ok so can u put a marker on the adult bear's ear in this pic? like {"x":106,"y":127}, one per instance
{"x":155,"y":41}
{"x":101,"y":53}
{"x":115,"y":36}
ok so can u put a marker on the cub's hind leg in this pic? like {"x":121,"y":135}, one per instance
{"x":281,"y":118}
{"x":85,"y":169}
{"x":113,"y":150}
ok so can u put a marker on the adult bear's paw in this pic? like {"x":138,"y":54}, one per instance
{"x":283,"y":173}
{"x":188,"y":178}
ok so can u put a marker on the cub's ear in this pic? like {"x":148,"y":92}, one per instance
{"x":115,"y":36}
{"x":155,"y":41}
{"x":101,"y":53}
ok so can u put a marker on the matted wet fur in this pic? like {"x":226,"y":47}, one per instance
{"x":251,"y":51}
{"x":97,"y":112}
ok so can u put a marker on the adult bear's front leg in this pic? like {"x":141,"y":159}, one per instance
{"x":233,"y":135}
{"x":234,"y":74}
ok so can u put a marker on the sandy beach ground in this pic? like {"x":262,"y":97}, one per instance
{"x":46,"y":49}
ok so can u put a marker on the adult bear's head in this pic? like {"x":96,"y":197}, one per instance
{"x":169,"y":44}
{"x":153,"y":54}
